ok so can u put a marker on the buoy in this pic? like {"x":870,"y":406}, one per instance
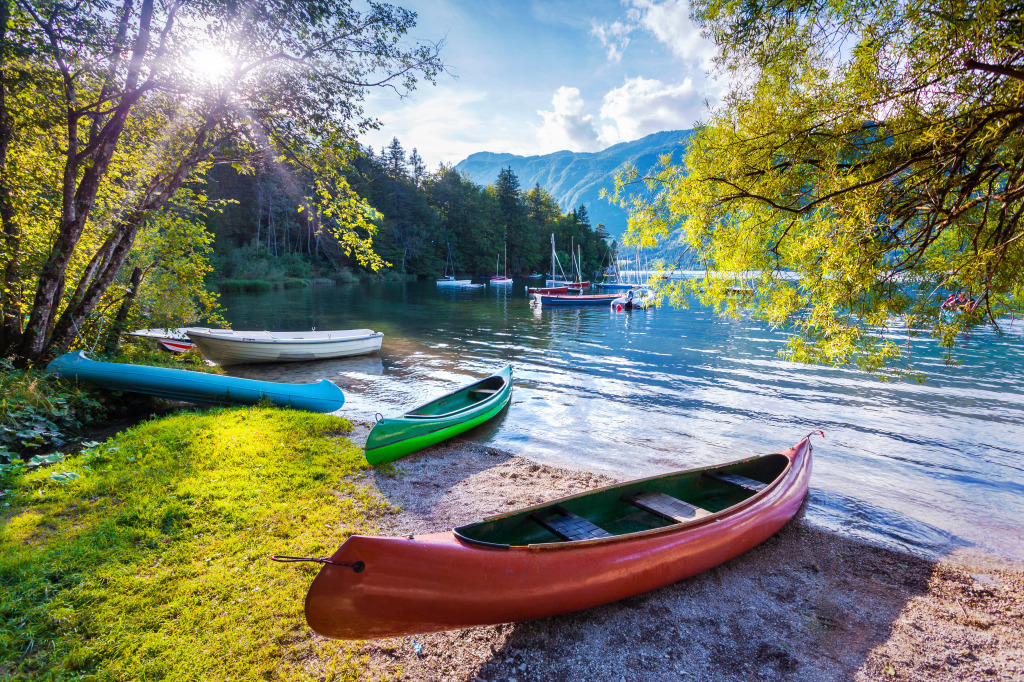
{"x":619,"y":307}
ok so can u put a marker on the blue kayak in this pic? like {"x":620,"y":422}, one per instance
{"x":196,"y":387}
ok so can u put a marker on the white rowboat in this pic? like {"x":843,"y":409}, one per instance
{"x":227,"y":347}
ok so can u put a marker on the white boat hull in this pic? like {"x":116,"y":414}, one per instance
{"x":226,"y":347}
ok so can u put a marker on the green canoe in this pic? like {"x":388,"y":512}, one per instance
{"x":439,"y":419}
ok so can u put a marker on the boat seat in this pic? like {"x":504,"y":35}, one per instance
{"x":667,"y":507}
{"x":484,"y":391}
{"x":568,"y":526}
{"x":739,"y":481}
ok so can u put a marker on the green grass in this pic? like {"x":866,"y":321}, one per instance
{"x":146,"y":557}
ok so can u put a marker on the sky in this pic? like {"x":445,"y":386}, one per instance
{"x":538,"y":76}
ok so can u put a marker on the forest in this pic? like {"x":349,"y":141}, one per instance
{"x":268,"y":230}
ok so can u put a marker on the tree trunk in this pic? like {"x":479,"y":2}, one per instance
{"x":79,"y":193}
{"x":117,"y":329}
{"x":10,"y":293}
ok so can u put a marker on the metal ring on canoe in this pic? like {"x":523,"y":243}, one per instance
{"x":357,"y":566}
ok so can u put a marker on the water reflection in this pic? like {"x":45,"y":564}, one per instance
{"x":642,"y":392}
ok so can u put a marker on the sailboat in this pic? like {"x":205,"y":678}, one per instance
{"x":554,"y":282}
{"x":501,"y":279}
{"x":449,"y":280}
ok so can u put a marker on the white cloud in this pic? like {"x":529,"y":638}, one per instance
{"x":447,"y":126}
{"x":566,"y":126}
{"x":669,"y":21}
{"x":614,"y":38}
{"x":642,"y":106}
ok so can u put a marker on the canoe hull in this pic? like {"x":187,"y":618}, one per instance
{"x":393,"y":438}
{"x":436,"y":582}
{"x":196,"y":387}
{"x":239,"y":349}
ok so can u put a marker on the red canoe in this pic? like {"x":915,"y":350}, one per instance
{"x":561,"y":556}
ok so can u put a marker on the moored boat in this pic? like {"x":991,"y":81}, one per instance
{"x":196,"y":387}
{"x":567,"y":300}
{"x":452,"y":282}
{"x":439,"y":419}
{"x":570,"y":554}
{"x":227,"y":347}
{"x":546,"y":290}
{"x":174,"y":340}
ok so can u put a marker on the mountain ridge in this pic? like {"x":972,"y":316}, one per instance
{"x":576,"y":178}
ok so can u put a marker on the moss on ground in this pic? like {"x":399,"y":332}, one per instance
{"x":146,"y":557}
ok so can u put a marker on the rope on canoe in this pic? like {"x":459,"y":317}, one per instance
{"x":814,"y":432}
{"x":358,"y":566}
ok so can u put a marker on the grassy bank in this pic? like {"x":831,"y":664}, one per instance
{"x":146,"y":557}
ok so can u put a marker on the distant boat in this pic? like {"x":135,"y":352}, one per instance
{"x":227,"y":347}
{"x":452,"y":282}
{"x":640,"y":299}
{"x":559,"y":556}
{"x":534,"y":275}
{"x":567,"y":300}
{"x":174,"y":340}
{"x":616,"y":286}
{"x":501,"y":279}
{"x":449,"y":280}
{"x":196,"y":387}
{"x":440,"y":419}
{"x":546,"y":290}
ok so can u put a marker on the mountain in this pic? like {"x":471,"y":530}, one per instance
{"x":575,"y":178}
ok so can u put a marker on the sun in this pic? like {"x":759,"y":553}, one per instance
{"x":209,"y":65}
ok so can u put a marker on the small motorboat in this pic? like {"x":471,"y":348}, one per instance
{"x":567,"y":300}
{"x":174,"y":340}
{"x":452,"y":282}
{"x":196,"y":387}
{"x":440,"y":419}
{"x":570,"y":554}
{"x":227,"y":347}
{"x":639,"y":299}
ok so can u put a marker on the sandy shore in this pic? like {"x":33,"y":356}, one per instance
{"x":805,"y":605}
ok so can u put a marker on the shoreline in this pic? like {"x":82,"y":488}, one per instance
{"x":805,"y":604}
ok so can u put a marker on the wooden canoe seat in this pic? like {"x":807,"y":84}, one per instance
{"x":739,"y":481}
{"x":568,"y":526}
{"x":667,"y":507}
{"x":483,"y":391}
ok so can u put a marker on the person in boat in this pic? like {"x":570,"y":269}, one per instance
{"x":949,"y":303}
{"x":964,"y":303}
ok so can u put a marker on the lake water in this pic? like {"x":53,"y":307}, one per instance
{"x":928,"y":468}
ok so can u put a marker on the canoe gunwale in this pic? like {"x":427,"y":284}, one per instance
{"x":670,"y":528}
{"x":411,"y":414}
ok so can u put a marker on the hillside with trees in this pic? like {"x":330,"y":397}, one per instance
{"x":266,"y":229}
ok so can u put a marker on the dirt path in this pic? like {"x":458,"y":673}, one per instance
{"x":805,"y":605}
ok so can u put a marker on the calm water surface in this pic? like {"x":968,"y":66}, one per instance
{"x":928,"y":468}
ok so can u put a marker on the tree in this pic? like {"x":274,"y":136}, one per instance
{"x":126,"y":92}
{"x":867,"y":161}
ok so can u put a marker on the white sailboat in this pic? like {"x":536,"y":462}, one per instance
{"x":501,"y":279}
{"x":449,"y":280}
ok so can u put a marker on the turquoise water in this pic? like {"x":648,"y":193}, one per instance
{"x":929,"y":468}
